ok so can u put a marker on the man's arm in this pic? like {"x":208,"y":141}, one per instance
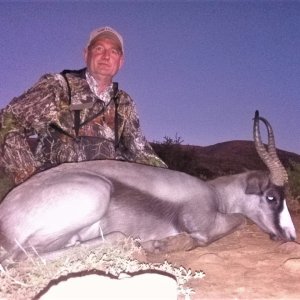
{"x":26,"y":115}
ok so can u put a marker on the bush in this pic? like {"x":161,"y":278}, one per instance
{"x":178,"y":157}
{"x":294,"y":179}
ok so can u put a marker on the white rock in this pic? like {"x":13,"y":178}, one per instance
{"x":144,"y":286}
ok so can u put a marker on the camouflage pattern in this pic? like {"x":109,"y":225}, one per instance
{"x":45,"y":111}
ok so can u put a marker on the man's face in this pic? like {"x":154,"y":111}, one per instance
{"x":103,"y":58}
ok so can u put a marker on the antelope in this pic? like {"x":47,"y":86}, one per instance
{"x":88,"y":202}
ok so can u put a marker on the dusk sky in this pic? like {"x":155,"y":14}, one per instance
{"x":196,"y":68}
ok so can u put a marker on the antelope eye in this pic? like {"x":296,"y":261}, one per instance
{"x":270,"y":198}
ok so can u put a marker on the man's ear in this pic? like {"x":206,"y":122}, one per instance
{"x":122,"y":60}
{"x":85,"y":54}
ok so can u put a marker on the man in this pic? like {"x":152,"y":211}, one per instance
{"x":76,"y":116}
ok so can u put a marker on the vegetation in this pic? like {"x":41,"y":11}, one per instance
{"x":179,"y":157}
{"x":294,"y":180}
{"x":30,"y":278}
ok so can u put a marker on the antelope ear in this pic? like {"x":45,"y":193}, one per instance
{"x":256,"y":183}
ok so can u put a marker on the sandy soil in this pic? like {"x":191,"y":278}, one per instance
{"x":243,"y":265}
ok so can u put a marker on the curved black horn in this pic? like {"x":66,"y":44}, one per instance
{"x":278,"y":173}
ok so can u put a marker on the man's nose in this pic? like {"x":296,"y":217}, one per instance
{"x":106,"y":53}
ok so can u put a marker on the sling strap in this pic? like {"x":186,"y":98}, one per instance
{"x":76,"y":110}
{"x":115,"y":99}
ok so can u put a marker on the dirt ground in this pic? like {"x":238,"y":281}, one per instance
{"x":243,"y":265}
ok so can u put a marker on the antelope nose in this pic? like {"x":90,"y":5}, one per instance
{"x":290,"y":236}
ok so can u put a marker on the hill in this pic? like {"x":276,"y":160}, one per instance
{"x":216,"y":160}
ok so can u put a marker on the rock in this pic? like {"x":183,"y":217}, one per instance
{"x":210,"y":258}
{"x":289,"y":247}
{"x":292,"y":264}
{"x":144,"y":286}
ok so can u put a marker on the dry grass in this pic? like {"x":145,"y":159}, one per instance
{"x":26,"y":279}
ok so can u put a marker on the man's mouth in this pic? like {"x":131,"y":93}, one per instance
{"x":103,"y":64}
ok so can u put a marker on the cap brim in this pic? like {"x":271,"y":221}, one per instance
{"x":109,"y":35}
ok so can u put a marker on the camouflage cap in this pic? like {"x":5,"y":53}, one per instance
{"x":106,"y":32}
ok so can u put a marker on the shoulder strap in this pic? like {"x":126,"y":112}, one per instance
{"x":76,"y":111}
{"x":115,"y":99}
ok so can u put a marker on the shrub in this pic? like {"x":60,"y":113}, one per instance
{"x":294,"y":179}
{"x":179,"y":157}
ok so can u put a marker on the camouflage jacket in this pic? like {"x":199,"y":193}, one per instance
{"x":47,"y":111}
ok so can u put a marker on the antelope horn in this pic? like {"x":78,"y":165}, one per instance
{"x":269,"y":156}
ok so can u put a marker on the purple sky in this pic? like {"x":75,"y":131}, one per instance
{"x":196,"y":68}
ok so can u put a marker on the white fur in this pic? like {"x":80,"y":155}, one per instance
{"x":286,"y":222}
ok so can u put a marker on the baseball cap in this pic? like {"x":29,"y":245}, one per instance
{"x":106,"y":32}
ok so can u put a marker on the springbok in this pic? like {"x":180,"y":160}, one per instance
{"x":88,"y":201}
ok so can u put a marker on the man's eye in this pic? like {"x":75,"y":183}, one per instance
{"x":99,"y":49}
{"x":115,"y":51}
